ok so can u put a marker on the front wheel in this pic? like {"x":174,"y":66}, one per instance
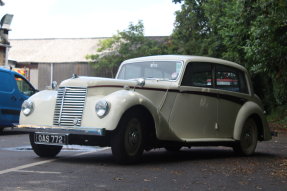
{"x":248,"y":139}
{"x":46,"y":151}
{"x":128,"y":140}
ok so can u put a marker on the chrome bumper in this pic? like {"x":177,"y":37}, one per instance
{"x":56,"y":129}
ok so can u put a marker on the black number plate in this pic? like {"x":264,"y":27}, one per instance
{"x":51,"y":138}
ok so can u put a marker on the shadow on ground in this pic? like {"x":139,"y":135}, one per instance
{"x":160,"y":156}
{"x":10,"y":131}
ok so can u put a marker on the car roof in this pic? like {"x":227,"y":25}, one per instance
{"x":6,"y":69}
{"x":186,"y":59}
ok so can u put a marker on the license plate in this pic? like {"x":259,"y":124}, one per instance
{"x":51,"y":138}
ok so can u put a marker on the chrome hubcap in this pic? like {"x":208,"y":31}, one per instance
{"x":133,"y":136}
{"x":247,"y":139}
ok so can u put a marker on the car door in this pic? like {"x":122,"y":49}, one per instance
{"x":232,"y":88}
{"x":194,"y":114}
{"x":8,"y":103}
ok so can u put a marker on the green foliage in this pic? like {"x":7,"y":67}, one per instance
{"x":252,"y":33}
{"x":278,"y":117}
{"x":267,"y":44}
{"x":190,"y":29}
{"x":125,"y":44}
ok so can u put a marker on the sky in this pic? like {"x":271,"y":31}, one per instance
{"x":87,"y":18}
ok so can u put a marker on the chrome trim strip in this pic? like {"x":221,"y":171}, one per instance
{"x":62,"y":103}
{"x":57,"y":129}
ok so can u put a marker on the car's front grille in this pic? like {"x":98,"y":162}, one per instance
{"x":69,"y":107}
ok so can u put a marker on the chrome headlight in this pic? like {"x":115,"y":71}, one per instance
{"x":102,"y":108}
{"x":27,"y":107}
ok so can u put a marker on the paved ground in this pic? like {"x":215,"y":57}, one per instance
{"x":198,"y":168}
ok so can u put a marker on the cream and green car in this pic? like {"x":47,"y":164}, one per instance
{"x":167,"y":101}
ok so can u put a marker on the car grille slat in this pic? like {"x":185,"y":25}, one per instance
{"x":69,"y":106}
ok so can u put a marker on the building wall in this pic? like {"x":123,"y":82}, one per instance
{"x":44,"y":78}
{"x":34,"y":77}
{"x":61,"y":71}
{"x":2,"y":55}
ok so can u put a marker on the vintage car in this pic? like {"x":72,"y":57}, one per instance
{"x":167,"y":101}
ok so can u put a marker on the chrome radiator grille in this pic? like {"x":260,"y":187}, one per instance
{"x":69,"y":107}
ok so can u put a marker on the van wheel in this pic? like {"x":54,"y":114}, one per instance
{"x":248,"y":140}
{"x":128,"y":140}
{"x":46,"y":151}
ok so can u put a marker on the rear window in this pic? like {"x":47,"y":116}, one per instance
{"x":230,"y":79}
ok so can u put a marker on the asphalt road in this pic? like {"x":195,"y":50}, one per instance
{"x":90,"y":168}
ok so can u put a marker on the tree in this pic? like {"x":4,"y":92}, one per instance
{"x":266,"y":47}
{"x":191,"y":28}
{"x":126,"y":44}
{"x":252,"y":33}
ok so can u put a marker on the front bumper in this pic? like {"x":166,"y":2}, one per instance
{"x":57,"y":129}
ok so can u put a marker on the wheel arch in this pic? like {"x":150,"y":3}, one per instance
{"x":253,"y":111}
{"x":124,"y":101}
{"x":147,"y":115}
{"x":260,"y":130}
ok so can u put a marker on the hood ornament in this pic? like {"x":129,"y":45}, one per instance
{"x":140,"y":82}
{"x":54,"y":85}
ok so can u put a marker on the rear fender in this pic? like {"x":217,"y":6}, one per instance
{"x":250,"y":109}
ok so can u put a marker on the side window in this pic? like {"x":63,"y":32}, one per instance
{"x":24,"y":86}
{"x":198,"y":75}
{"x":230,"y":79}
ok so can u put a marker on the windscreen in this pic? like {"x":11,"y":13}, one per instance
{"x":161,"y":70}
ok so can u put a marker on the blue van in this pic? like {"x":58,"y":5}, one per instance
{"x":14,"y":89}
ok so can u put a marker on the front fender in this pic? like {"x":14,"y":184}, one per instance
{"x":247,"y":110}
{"x":120,"y":101}
{"x":44,"y":102}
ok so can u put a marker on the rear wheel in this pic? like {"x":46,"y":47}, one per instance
{"x":44,"y":150}
{"x":248,"y":139}
{"x":128,"y":140}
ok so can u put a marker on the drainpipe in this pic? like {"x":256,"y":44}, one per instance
{"x":6,"y":55}
{"x":52,"y":73}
